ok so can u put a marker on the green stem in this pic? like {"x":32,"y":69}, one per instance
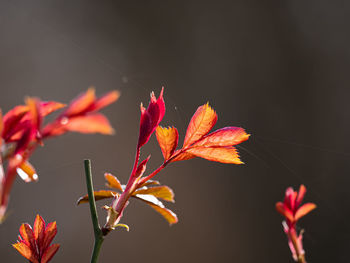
{"x":97,"y":230}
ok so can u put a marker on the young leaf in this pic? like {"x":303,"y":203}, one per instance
{"x":81,"y":103}
{"x":217,"y":154}
{"x":25,"y":251}
{"x":94,"y":123}
{"x":113,"y":182}
{"x":304,"y":209}
{"x":167,"y":139}
{"x":227,"y":136}
{"x":99,"y":195}
{"x":159,"y":207}
{"x":163,"y":192}
{"x":49,"y":253}
{"x":201,"y":123}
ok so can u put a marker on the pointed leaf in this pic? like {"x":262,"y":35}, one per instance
{"x":141,"y":168}
{"x":217,"y":154}
{"x":48,"y":107}
{"x":227,"y":136}
{"x":167,"y":139}
{"x":148,"y":183}
{"x":27,"y":235}
{"x":49,"y":253}
{"x":99,"y":195}
{"x":163,"y":192}
{"x":304,"y":209}
{"x":113,"y":182}
{"x":50,"y":233}
{"x":39,"y":231}
{"x":159,"y":207}
{"x":201,"y":123}
{"x":301,"y":194}
{"x":180,"y":155}
{"x":25,"y":251}
{"x":94,"y":123}
{"x":283,"y":210}
{"x":105,"y":100}
{"x":81,"y":104}
{"x":27,"y":172}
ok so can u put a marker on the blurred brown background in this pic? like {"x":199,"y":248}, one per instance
{"x":280,"y":69}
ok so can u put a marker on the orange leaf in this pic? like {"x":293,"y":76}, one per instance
{"x":27,"y":172}
{"x":201,"y":123}
{"x":301,"y":194}
{"x":163,"y":192}
{"x":39,"y":230}
{"x":217,"y":154}
{"x":227,"y":136}
{"x":113,"y":182}
{"x":27,"y":234}
{"x":95,"y":123}
{"x":159,"y":207}
{"x":99,"y":195}
{"x":81,"y":103}
{"x":149,"y":182}
{"x":25,"y":251}
{"x":48,"y":107}
{"x":105,"y":100}
{"x":49,"y":253}
{"x":167,"y":139}
{"x":182,"y":156}
{"x":304,"y":209}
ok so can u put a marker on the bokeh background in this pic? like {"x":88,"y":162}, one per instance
{"x":280,"y":69}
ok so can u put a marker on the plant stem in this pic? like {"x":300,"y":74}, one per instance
{"x":94,"y":217}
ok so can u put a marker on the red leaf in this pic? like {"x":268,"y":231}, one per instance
{"x":283,"y":210}
{"x":201,"y":123}
{"x":94,"y":123}
{"x":141,"y":168}
{"x":99,"y":195}
{"x":301,"y":194}
{"x":39,"y":231}
{"x":163,"y":192}
{"x":113,"y":182}
{"x":227,"y":136}
{"x":167,"y":139}
{"x":50,"y":233}
{"x":182,"y":156}
{"x":49,"y":253}
{"x":304,"y":209}
{"x":151,"y":117}
{"x":216,"y":154}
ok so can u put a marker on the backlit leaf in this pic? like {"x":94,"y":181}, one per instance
{"x":217,"y":154}
{"x":49,"y":253}
{"x":163,"y":192}
{"x":48,"y":107}
{"x":105,"y":100}
{"x":149,"y":182}
{"x":159,"y":207}
{"x":25,"y":251}
{"x":227,"y":136}
{"x":201,"y":123}
{"x":99,"y":195}
{"x":167,"y":139}
{"x":50,"y":233}
{"x":304,"y":209}
{"x":113,"y":182}
{"x":27,"y":235}
{"x":182,"y":156}
{"x":39,"y":230}
{"x":81,"y":103}
{"x":95,"y":123}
